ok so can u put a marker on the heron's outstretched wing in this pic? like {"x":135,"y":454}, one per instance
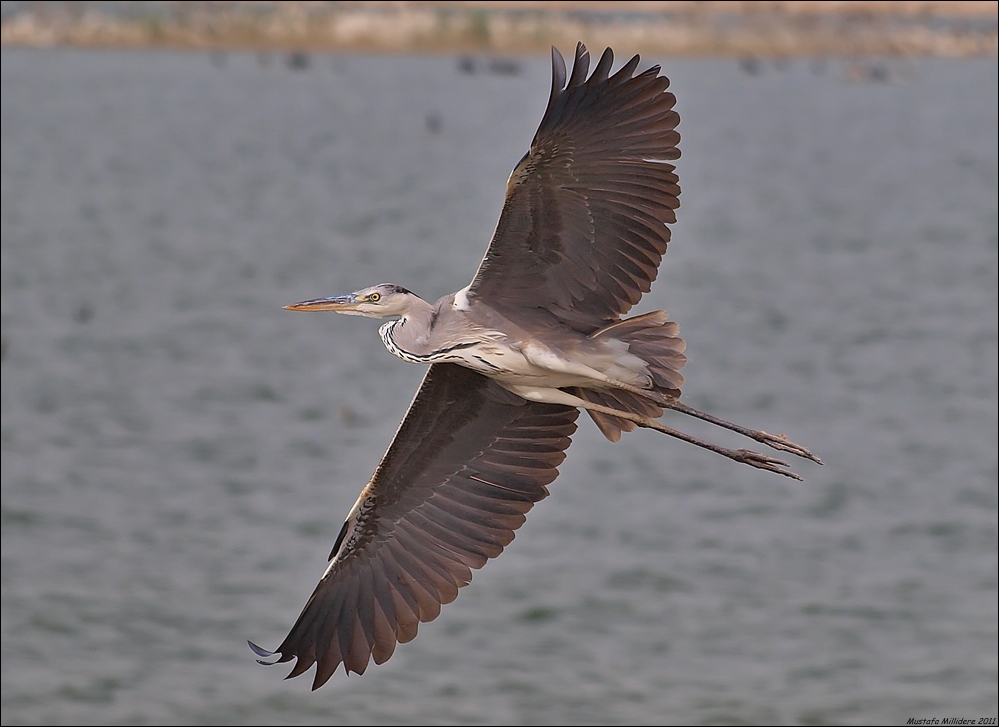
{"x":469,"y":460}
{"x":583,"y":230}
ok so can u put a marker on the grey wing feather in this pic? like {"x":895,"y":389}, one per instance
{"x":468,"y":462}
{"x":583,"y":228}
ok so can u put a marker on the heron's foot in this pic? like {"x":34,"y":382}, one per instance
{"x":782,"y":443}
{"x":776,"y":441}
{"x":760,"y":461}
{"x":745,"y":456}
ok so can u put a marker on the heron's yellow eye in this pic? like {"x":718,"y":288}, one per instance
{"x":375,"y":297}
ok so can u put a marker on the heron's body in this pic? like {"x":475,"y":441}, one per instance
{"x":492,"y":344}
{"x":538,"y":334}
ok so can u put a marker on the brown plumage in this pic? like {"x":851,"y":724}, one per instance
{"x":582,"y":230}
{"x":535,"y":336}
{"x":467,"y":464}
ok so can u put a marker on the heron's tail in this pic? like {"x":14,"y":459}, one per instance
{"x":655,"y":340}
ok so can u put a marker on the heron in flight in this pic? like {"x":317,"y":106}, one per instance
{"x":536,"y":336}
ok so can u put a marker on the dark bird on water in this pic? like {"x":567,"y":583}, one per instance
{"x":536,"y":336}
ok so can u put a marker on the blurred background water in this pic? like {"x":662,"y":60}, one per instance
{"x":178,"y":452}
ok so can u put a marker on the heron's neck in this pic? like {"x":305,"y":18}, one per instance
{"x":409,"y":335}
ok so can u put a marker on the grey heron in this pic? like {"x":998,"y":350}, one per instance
{"x":536,"y":336}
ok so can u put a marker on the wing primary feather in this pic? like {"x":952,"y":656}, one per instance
{"x":580,"y":65}
{"x":558,"y":77}
{"x":602,"y":70}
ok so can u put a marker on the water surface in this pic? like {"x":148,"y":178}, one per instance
{"x":179,"y":452}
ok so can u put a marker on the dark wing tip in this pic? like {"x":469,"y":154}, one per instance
{"x":558,"y":73}
{"x":602,"y":71}
{"x":580,"y":66}
{"x":262,"y":653}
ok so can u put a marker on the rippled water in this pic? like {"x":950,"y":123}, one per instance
{"x":179,"y":452}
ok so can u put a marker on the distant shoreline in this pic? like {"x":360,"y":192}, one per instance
{"x":733,"y":29}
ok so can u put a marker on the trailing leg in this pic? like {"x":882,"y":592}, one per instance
{"x":753,"y":459}
{"x":776,"y":441}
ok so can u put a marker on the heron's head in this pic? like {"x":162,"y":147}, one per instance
{"x":378,"y":301}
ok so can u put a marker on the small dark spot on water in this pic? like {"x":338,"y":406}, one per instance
{"x":47,"y":402}
{"x":978,"y":498}
{"x":813,"y":717}
{"x":585,"y":531}
{"x":263,"y":392}
{"x":939,"y":234}
{"x":871,"y":335}
{"x":642,"y":579}
{"x":10,"y":516}
{"x":907,"y":588}
{"x":724,"y":716}
{"x":455,"y":627}
{"x":805,"y":369}
{"x":602,"y":466}
{"x":363,"y":224}
{"x":890,"y":423}
{"x":351,"y":417}
{"x":309,"y":447}
{"x":217,"y":58}
{"x":951,"y":531}
{"x":157,"y":220}
{"x":313,"y":528}
{"x":742,"y":512}
{"x":504,"y":66}
{"x":869,"y":73}
{"x":538,"y":614}
{"x":90,"y":212}
{"x":862,"y":611}
{"x":97,"y":691}
{"x":776,"y":319}
{"x":434,"y":123}
{"x":238,"y":487}
{"x":517,"y":686}
{"x":764,"y":402}
{"x":203,"y":450}
{"x":858,"y":244}
{"x":949,"y":675}
{"x":964,"y":159}
{"x":810,"y":673}
{"x":751,"y":66}
{"x":298,"y":61}
{"x":312,"y":414}
{"x":84,"y":313}
{"x":879,"y":73}
{"x":833,"y":500}
{"x":497,"y":66}
{"x":597,"y":606}
{"x":47,"y":622}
